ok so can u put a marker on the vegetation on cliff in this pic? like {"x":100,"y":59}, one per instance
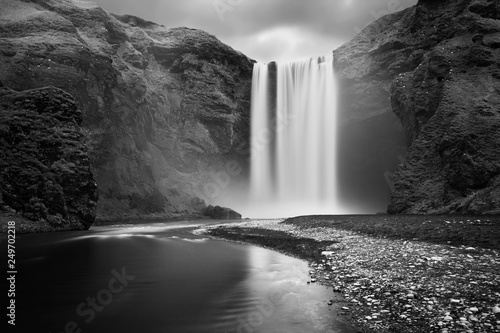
{"x":45,"y":172}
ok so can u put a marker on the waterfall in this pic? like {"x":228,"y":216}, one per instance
{"x":293,"y":138}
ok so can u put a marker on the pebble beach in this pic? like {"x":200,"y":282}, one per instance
{"x":392,"y":276}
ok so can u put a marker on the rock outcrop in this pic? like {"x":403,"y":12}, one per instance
{"x":221,"y":213}
{"x":45,"y":171}
{"x":165,"y":110}
{"x":440,"y":64}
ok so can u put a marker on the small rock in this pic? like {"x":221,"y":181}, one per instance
{"x":496,"y":309}
{"x":455,"y":301}
{"x":447,"y":318}
{"x":473,"y":309}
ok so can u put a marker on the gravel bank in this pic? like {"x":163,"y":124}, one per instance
{"x":391,"y":279}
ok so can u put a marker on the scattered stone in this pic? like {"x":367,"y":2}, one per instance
{"x":373,"y":276}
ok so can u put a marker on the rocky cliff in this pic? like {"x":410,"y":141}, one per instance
{"x":371,"y":138}
{"x":439,"y":62}
{"x":45,"y":172}
{"x":165,"y":111}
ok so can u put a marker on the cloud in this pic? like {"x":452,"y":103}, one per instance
{"x":266,"y":29}
{"x":284,"y":44}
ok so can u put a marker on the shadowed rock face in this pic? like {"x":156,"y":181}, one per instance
{"x":44,"y":165}
{"x":439,"y":62}
{"x":164,"y":110}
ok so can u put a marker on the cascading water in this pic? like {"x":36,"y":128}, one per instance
{"x":293,"y":137}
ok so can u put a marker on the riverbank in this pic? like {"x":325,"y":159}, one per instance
{"x":396,"y":273}
{"x":24,"y":225}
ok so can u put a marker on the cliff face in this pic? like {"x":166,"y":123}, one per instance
{"x":371,"y":139}
{"x":44,"y":164}
{"x":441,"y":61}
{"x":164,"y":110}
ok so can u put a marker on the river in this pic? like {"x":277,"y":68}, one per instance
{"x":159,"y":277}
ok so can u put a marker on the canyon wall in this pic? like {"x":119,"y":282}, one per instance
{"x":165,"y":110}
{"x":438,"y":65}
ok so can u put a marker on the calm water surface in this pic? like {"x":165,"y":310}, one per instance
{"x":160,"y":278}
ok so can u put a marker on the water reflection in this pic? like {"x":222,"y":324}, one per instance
{"x":162,"y":279}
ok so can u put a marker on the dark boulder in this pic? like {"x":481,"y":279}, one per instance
{"x":221,"y":213}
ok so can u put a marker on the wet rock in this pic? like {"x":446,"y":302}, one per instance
{"x":221,"y":213}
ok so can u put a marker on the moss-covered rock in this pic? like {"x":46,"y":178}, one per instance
{"x":45,"y":171}
{"x":449,"y":106}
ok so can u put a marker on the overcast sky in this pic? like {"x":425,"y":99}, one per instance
{"x":266,"y":30}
